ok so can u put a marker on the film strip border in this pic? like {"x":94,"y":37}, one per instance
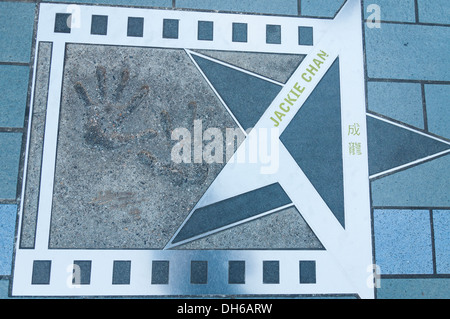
{"x":121,"y":272}
{"x":163,"y":273}
{"x":170,"y":29}
{"x":178,"y":28}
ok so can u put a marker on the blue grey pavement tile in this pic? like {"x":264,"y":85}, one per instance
{"x":320,"y":8}
{"x":305,"y":36}
{"x":7,"y":228}
{"x":441,"y":226}
{"x":146,"y":3}
{"x":135,"y":27}
{"x":393,"y":10}
{"x":99,"y":24}
{"x":121,"y":272}
{"x":271,"y":272}
{"x":424,"y":185}
{"x":82,"y":272}
{"x":284,"y":7}
{"x":316,"y":128}
{"x":10,"y":146}
{"x":399,"y":101}
{"x":63,"y":21}
{"x":170,"y":29}
{"x":307,"y":271}
{"x":391,"y":146}
{"x":403,"y":241}
{"x":16,"y":31}
{"x":205,"y":30}
{"x":434,"y":11}
{"x":414,"y":288}
{"x":160,"y":272}
{"x":199,"y":272}
{"x":240,"y":32}
{"x":273,"y":34}
{"x":41,"y":274}
{"x":408,"y":51}
{"x":4,"y":288}
{"x":14,"y":88}
{"x":438,"y":109}
{"x":236,"y":272}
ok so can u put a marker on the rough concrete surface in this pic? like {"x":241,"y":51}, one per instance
{"x":31,"y":198}
{"x":278,"y":67}
{"x":285,"y":229}
{"x":115,"y":184}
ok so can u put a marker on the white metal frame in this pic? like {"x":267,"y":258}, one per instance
{"x":344,"y":267}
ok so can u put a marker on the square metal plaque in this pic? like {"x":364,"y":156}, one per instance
{"x":184,"y":153}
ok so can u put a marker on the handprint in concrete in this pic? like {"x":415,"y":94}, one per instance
{"x":104,"y":126}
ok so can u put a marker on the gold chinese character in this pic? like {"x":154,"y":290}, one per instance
{"x":354,"y":148}
{"x":353,"y":129}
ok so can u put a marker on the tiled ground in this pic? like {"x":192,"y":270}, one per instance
{"x":407,"y":83}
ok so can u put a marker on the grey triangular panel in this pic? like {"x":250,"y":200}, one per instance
{"x":278,"y":67}
{"x":314,"y":139}
{"x":246,"y":96}
{"x":285,"y":229}
{"x":232,"y":210}
{"x":391,"y":146}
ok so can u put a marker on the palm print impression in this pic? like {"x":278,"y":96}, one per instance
{"x":105,"y":119}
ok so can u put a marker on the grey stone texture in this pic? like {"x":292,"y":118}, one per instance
{"x":278,"y":67}
{"x":285,"y":229}
{"x":31,"y":198}
{"x":116,"y":185}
